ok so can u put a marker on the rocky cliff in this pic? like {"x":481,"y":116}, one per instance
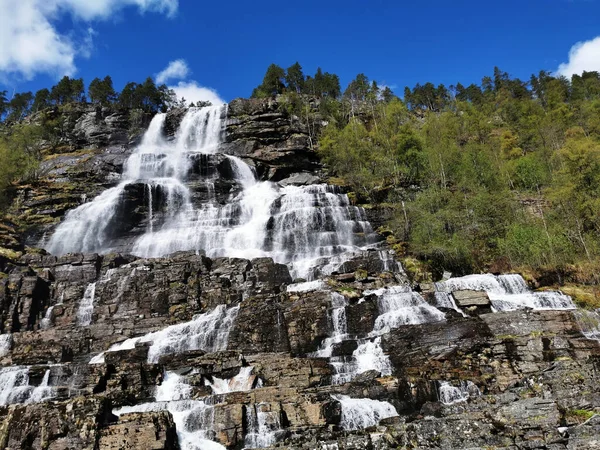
{"x":116,"y":351}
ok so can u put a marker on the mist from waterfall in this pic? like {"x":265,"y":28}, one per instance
{"x":312,"y":228}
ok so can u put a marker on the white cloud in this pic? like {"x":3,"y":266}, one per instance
{"x":31,"y":44}
{"x":193,"y":92}
{"x":102,"y":9}
{"x":176,"y":70}
{"x":87,"y":45}
{"x":582,"y":56}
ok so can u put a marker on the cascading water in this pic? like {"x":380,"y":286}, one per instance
{"x":507,"y":292}
{"x":313,"y":228}
{"x":338,"y":324}
{"x":449,"y":394}
{"x":263,"y":426}
{"x":86,"y":306}
{"x":5,"y":344}
{"x":15,"y":387}
{"x":361,"y":413}
{"x":194,"y":419}
{"x":243,"y":381}
{"x":209,"y":332}
{"x":397,"y":306}
{"x":589,"y":322}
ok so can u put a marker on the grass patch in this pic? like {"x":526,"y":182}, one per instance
{"x":586,"y":297}
{"x":579,"y":415}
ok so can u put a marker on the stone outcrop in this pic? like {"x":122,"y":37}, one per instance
{"x":279,"y":143}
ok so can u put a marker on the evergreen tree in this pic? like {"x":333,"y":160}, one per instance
{"x":358,"y":88}
{"x":294,"y":77}
{"x":273,"y":82}
{"x":102,"y":91}
{"x":41,"y":100}
{"x":331,"y":85}
{"x":127,"y":97}
{"x":387,"y":95}
{"x":78,"y":90}
{"x":3,"y":104}
{"x":19,"y":106}
{"x":68,"y":90}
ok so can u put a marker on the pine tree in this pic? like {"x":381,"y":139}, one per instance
{"x":41,"y":100}
{"x":294,"y":77}
{"x":102,"y":91}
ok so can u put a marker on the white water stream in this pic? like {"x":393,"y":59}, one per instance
{"x":508,"y":292}
{"x":361,"y":413}
{"x":15,"y":387}
{"x":209,"y":332}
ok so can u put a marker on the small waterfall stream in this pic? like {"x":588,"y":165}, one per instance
{"x":15,"y":386}
{"x":86,"y":306}
{"x":263,"y":426}
{"x":209,"y":332}
{"x":360,"y":413}
{"x":507,"y":292}
{"x":194,"y":419}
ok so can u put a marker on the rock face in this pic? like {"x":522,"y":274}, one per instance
{"x":278,"y":142}
{"x":534,"y":376}
{"x":116,"y":351}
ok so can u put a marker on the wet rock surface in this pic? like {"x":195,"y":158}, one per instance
{"x":535,"y":376}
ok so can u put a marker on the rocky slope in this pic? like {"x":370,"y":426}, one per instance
{"x":116,"y":351}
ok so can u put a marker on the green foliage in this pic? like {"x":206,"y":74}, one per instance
{"x":273,"y":82}
{"x":19,"y":157}
{"x":373,"y":158}
{"x":19,"y":106}
{"x":146,"y":96}
{"x":294,"y":78}
{"x":497,"y":173}
{"x":292,"y":81}
{"x":41,"y":100}
{"x":68,"y":90}
{"x":102,"y":91}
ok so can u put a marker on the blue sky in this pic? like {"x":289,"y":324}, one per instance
{"x":227,"y":45}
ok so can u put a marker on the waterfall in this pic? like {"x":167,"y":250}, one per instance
{"x":5,"y":344}
{"x":306,"y":286}
{"x":446,"y":300}
{"x":313,"y":229}
{"x":46,"y":322}
{"x":243,"y":381}
{"x":589,"y":323}
{"x":450,"y":395}
{"x":86,"y":306}
{"x":43,"y":391}
{"x":507,"y":292}
{"x":361,"y":413}
{"x":368,"y":356}
{"x":399,"y":305}
{"x":208,"y":332}
{"x":194,"y":419}
{"x":338,"y":324}
{"x":15,"y":387}
{"x":173,"y":388}
{"x":263,"y":426}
